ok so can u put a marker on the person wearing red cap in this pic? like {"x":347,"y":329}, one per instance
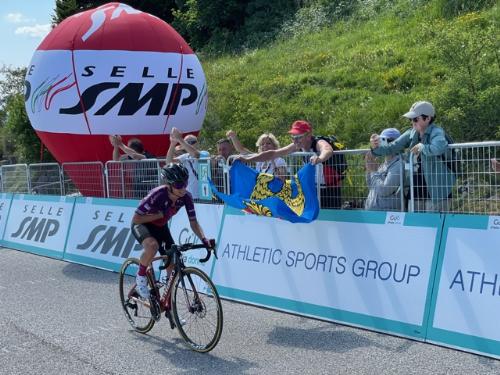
{"x":304,"y":140}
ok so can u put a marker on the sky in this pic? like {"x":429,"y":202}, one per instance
{"x":23,"y":25}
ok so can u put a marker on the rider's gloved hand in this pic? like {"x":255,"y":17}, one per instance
{"x":206,"y":243}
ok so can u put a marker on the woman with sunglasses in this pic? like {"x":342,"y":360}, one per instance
{"x":149,"y":223}
{"x":427,"y":142}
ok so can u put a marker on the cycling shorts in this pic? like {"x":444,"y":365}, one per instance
{"x":160,"y":234}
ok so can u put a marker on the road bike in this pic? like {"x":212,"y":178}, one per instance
{"x":187,"y":297}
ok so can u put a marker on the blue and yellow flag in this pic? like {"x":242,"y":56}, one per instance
{"x":263,"y":194}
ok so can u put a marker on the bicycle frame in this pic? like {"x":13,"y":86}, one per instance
{"x":176,"y":258}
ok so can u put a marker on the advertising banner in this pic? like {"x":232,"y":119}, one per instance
{"x":370,"y":269}
{"x":467,"y":301}
{"x":209,"y":216}
{"x":39,"y":224}
{"x":5,"y":200}
{"x":100,"y":233}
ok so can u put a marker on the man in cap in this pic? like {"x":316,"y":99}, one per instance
{"x":303,"y":140}
{"x":427,"y":142}
{"x":384,"y":180}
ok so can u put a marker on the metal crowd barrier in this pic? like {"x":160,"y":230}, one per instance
{"x":475,"y":188}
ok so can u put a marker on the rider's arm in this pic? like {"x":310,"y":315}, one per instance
{"x":196,"y":228}
{"x":147,"y":218}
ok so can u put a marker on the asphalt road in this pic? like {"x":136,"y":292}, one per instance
{"x":62,"y":318}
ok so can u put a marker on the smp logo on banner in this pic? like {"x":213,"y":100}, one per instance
{"x":104,"y":239}
{"x":494,"y":222}
{"x":42,"y":223}
{"x":396,"y":218}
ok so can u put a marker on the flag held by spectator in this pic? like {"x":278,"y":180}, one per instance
{"x":294,"y":200}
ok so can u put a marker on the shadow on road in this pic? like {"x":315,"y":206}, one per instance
{"x":180,"y":357}
{"x":89,"y":274}
{"x":328,"y":338}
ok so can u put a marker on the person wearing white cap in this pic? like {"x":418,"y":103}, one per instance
{"x":384,"y":180}
{"x":428,"y":144}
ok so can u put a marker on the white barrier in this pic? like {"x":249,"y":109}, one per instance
{"x":427,"y":276}
{"x":371,"y":269}
{"x":467,"y":302}
{"x":39,"y":224}
{"x":100,"y":234}
{"x":5,"y":201}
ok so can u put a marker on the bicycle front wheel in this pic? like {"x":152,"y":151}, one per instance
{"x":136,"y":309}
{"x":197,"y":309}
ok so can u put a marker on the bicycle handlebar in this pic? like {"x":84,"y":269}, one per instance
{"x":191,"y":246}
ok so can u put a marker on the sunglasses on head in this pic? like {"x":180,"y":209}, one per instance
{"x":179,"y":185}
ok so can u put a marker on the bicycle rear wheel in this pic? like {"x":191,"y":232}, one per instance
{"x":197,"y":309}
{"x":136,"y":310}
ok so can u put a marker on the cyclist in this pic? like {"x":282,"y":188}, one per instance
{"x":149,"y":224}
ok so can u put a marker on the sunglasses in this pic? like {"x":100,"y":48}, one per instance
{"x":416,"y":118}
{"x":180,"y":185}
{"x":191,"y":142}
{"x":298,"y":136}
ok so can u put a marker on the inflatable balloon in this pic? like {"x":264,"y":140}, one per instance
{"x":113,"y":70}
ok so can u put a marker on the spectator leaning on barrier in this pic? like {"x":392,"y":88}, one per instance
{"x":224,"y":151}
{"x":189,"y":158}
{"x":266,"y":141}
{"x":144,"y":175}
{"x":304,"y":140}
{"x":428,"y":143}
{"x":384,"y":180}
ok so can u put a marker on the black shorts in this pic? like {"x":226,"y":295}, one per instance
{"x":160,"y":234}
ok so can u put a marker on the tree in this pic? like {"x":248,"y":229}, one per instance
{"x":160,"y":8}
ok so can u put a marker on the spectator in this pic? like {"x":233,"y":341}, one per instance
{"x":189,"y":158}
{"x":266,"y":141}
{"x":495,"y":165}
{"x":143,"y":175}
{"x":304,"y":140}
{"x":384,"y":180}
{"x":134,"y":150}
{"x":224,"y":151}
{"x":427,"y":142}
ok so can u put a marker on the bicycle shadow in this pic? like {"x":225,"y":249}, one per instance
{"x":328,"y":338}
{"x":179,"y":356}
{"x":89,"y":274}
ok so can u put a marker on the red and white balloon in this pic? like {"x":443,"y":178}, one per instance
{"x":113,"y":70}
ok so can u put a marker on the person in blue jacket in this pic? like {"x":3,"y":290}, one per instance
{"x":433,"y":181}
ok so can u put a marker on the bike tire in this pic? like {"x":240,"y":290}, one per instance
{"x":199,"y":322}
{"x":138,"y":315}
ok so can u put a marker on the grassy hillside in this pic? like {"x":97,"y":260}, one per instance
{"x":357,"y":76}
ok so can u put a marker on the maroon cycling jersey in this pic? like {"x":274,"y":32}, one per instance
{"x":157,"y":200}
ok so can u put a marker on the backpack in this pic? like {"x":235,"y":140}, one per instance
{"x":337,"y":161}
{"x":452,"y":157}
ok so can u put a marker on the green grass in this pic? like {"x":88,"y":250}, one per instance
{"x":357,"y":77}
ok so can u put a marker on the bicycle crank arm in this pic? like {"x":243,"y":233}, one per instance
{"x":141,"y":301}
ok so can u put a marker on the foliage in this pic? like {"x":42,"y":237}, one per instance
{"x":161,"y":9}
{"x":452,"y":8}
{"x":357,"y":76}
{"x":18,"y":126}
